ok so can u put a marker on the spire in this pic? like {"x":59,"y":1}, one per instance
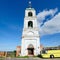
{"x":29,"y":4}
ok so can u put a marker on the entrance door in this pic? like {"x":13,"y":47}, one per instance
{"x":30,"y":51}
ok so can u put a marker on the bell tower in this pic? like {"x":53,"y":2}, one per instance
{"x":30,"y":44}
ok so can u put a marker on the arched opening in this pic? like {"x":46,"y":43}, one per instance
{"x":30,"y":49}
{"x":30,"y":14}
{"x":30,"y":24}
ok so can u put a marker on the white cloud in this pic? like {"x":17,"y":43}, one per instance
{"x":42,"y":15}
{"x":51,"y":26}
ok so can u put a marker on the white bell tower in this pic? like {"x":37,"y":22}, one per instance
{"x":30,"y":35}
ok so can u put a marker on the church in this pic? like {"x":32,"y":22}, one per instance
{"x":30,"y":35}
{"x":30,"y":45}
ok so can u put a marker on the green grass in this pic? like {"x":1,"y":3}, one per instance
{"x":1,"y":58}
{"x":26,"y":56}
{"x":23,"y":57}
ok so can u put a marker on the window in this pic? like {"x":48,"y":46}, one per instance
{"x":30,"y":14}
{"x":44,"y":51}
{"x":30,"y":46}
{"x":30,"y":24}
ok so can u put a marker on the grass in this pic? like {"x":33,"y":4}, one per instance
{"x":1,"y":58}
{"x":23,"y":57}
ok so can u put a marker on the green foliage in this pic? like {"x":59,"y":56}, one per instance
{"x":11,"y":54}
{"x":40,"y":56}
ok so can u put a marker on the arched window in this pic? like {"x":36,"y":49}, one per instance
{"x":30,"y":14}
{"x":30,"y":24}
{"x":30,"y":46}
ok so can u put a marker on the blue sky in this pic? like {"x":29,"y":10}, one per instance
{"x":12,"y":19}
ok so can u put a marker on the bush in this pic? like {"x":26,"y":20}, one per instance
{"x":40,"y":56}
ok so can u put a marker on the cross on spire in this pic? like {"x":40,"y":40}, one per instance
{"x":29,"y":4}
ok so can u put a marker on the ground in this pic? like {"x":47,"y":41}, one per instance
{"x":28,"y":59}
